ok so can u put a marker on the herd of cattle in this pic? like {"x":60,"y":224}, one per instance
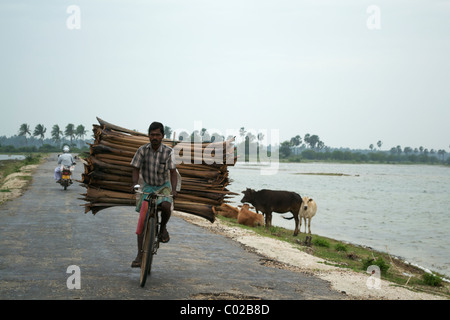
{"x":269,"y":201}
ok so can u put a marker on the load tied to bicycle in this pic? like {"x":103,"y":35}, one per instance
{"x":154,"y":163}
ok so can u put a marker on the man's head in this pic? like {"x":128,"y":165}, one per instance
{"x":156,"y":134}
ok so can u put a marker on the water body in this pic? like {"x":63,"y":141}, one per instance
{"x":402,"y":209}
{"x":11,"y":157}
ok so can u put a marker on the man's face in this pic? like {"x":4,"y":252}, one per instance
{"x":155,"y":138}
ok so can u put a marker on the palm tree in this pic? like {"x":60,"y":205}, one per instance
{"x":306,"y":138}
{"x":56,"y":133}
{"x":312,"y":140}
{"x":80,"y":132}
{"x":296,"y":141}
{"x":40,"y":130}
{"x":442,"y":153}
{"x":242,"y":132}
{"x":24,"y":130}
{"x":205,"y":135}
{"x":407,"y":150}
{"x":379,"y":144}
{"x":70,"y":132}
{"x":167,"y":131}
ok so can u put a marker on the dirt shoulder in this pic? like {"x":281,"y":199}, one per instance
{"x":15,"y":184}
{"x":284,"y":255}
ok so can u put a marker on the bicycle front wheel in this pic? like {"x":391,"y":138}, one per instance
{"x":148,"y":248}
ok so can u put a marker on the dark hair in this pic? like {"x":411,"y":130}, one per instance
{"x":156,"y":125}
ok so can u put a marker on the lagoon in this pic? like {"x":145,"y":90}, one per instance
{"x":11,"y":157}
{"x":402,"y":209}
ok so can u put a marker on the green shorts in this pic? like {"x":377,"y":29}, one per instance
{"x":165,"y":189}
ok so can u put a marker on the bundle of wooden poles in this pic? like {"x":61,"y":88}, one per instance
{"x":108,"y":174}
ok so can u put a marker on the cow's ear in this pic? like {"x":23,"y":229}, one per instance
{"x":310,"y":199}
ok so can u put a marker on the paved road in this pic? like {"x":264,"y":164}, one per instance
{"x":45,"y":231}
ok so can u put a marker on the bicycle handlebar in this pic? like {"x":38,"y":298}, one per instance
{"x":157,"y":194}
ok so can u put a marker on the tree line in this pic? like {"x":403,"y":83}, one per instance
{"x":298,"y":148}
{"x":310,"y":147}
{"x":28,"y":140}
{"x":315,"y":149}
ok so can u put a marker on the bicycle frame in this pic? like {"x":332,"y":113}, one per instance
{"x":151,"y":229}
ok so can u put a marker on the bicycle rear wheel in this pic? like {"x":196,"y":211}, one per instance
{"x":148,"y":246}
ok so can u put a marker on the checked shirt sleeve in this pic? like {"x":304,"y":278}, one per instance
{"x":137,"y":159}
{"x":171,"y":162}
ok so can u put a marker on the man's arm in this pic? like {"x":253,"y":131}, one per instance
{"x":174,"y":181}
{"x":135,"y":177}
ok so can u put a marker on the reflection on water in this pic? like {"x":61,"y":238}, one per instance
{"x":404,"y":209}
{"x":11,"y":157}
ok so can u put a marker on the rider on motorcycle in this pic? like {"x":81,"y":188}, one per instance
{"x":64,"y":159}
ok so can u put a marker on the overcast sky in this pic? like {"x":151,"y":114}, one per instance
{"x":351,"y":71}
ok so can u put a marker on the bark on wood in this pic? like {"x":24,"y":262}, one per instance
{"x":202,"y":166}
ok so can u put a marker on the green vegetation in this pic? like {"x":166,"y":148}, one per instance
{"x":377,"y":262}
{"x":349,"y":156}
{"x":340,"y":247}
{"x":313,"y":149}
{"x":357,"y":258}
{"x":432,"y":280}
{"x":26,"y":141}
{"x":10,"y":166}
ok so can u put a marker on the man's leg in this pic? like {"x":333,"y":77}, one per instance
{"x":166,"y":211}
{"x":137,"y":262}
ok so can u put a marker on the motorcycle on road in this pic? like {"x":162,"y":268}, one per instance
{"x":66,"y":176}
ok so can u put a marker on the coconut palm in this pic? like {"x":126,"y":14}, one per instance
{"x":24,"y":130}
{"x":296,"y":141}
{"x":167,"y":131}
{"x":56,"y":133}
{"x":70,"y":132}
{"x":379,"y":144}
{"x":40,"y":130}
{"x":80,"y":132}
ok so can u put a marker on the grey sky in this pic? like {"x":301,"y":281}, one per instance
{"x":294,"y":65}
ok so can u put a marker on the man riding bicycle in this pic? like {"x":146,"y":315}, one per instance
{"x":154,"y":161}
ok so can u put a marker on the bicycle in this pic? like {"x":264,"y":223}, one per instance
{"x":151,"y":236}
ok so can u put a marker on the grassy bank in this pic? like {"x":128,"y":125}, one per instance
{"x":8,"y":167}
{"x":357,"y":258}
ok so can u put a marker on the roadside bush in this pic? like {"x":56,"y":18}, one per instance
{"x":340,"y":247}
{"x":431,"y":280}
{"x":321,"y":242}
{"x":378,"y":262}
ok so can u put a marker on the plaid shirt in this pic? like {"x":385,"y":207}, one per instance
{"x":154,"y":165}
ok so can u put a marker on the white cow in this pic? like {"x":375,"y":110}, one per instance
{"x":308,"y":210}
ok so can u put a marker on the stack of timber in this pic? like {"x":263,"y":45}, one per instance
{"x":108,"y":174}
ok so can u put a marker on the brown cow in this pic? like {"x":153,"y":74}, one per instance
{"x":226,"y":210}
{"x":249,"y":218}
{"x":268,"y":201}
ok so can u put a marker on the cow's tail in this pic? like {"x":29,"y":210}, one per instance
{"x":290,"y":218}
